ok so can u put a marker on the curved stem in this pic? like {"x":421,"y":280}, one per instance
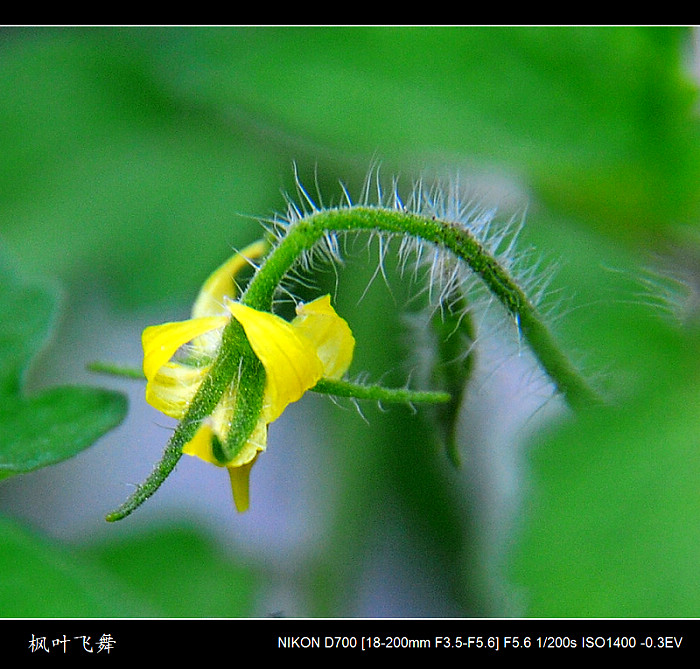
{"x":304,"y":233}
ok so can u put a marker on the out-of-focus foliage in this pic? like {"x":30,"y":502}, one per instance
{"x":613,"y":533}
{"x":208,"y":583}
{"x":41,"y":579}
{"x":136,"y":578}
{"x":133,"y":158}
{"x":53,"y":425}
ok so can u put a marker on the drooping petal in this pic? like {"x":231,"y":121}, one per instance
{"x":214,"y":426}
{"x":290,"y":360}
{"x":221,"y":283}
{"x":160,"y":342}
{"x":172,"y":388}
{"x":329,"y":334}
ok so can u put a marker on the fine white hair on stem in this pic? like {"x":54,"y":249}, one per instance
{"x":448,"y":200}
{"x":436,"y":275}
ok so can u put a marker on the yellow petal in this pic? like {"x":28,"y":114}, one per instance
{"x":210,"y":301}
{"x":200,"y":445}
{"x":256,"y":443}
{"x":172,"y":388}
{"x":218,"y":425}
{"x":240,"y":474}
{"x":290,"y":360}
{"x":161,"y":341}
{"x":329,"y":334}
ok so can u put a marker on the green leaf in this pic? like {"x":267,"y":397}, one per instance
{"x":42,"y":579}
{"x":56,"y":424}
{"x":600,"y":121}
{"x":96,"y":150}
{"x":180,"y":573}
{"x":168,"y":572}
{"x":612,"y":529}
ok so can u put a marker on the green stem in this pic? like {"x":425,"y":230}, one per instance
{"x":455,"y":335}
{"x":234,"y":346}
{"x":324,"y":386}
{"x":378,"y":393}
{"x":303,"y":234}
{"x":116,"y":370}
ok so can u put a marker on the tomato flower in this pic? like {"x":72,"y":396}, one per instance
{"x":295,"y":356}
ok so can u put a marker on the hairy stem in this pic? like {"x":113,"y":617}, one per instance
{"x":379,"y":393}
{"x":303,"y":234}
{"x":234,"y":346}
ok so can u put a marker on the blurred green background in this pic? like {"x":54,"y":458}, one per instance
{"x":134,"y":160}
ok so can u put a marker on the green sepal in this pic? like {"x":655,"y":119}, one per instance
{"x":454,"y":336}
{"x":234,"y":348}
{"x":248,"y":405}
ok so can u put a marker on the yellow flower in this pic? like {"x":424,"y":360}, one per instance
{"x":295,"y":355}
